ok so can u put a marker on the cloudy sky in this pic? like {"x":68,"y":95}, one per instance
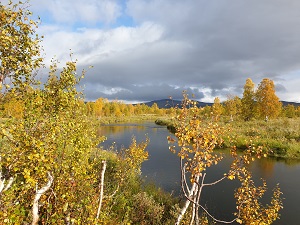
{"x":151,"y":49}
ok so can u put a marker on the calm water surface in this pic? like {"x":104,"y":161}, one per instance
{"x":163,"y":168}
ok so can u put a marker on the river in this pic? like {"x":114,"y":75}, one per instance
{"x":163,"y":168}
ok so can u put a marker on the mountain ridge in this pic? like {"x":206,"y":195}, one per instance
{"x":169,"y":103}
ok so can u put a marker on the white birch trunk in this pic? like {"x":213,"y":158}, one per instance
{"x":38,"y":194}
{"x":186,"y":205}
{"x":101,"y":187}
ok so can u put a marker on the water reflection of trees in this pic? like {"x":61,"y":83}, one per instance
{"x":119,"y":129}
{"x":266,"y":167}
{"x":289,"y":162}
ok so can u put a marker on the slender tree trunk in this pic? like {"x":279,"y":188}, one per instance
{"x":192,"y":194}
{"x":186,"y":205}
{"x":38,"y":194}
{"x":3,"y":186}
{"x":101,"y":187}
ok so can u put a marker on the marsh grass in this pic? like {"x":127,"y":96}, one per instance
{"x":123,"y":119}
{"x":280,"y":136}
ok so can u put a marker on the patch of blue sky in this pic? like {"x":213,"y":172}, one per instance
{"x":46,"y":18}
{"x":124,"y":21}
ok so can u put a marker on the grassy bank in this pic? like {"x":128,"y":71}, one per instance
{"x":166,"y":122}
{"x":123,"y":119}
{"x":280,"y":136}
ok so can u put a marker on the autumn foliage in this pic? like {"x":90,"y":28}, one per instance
{"x":196,"y":142}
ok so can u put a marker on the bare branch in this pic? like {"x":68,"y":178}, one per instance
{"x":213,"y":183}
{"x":184,"y":185}
{"x":115,"y":192}
{"x":211,"y":216}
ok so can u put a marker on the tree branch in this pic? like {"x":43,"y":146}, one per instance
{"x":4,"y":187}
{"x":38,"y":194}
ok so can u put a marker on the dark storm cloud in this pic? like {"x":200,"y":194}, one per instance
{"x":198,"y":44}
{"x":140,"y":93}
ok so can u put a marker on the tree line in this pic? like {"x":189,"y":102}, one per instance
{"x":261,"y":103}
{"x":254,"y":104}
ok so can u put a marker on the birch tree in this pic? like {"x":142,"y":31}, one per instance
{"x":19,"y":44}
{"x":196,"y":142}
{"x":248,"y":100}
{"x":268,"y":103}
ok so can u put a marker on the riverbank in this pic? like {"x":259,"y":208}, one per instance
{"x":133,"y":199}
{"x":132,"y":118}
{"x":280,"y":136}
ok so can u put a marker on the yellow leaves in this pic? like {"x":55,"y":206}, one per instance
{"x":196,"y":139}
{"x":231,"y":177}
{"x":250,"y":210}
{"x":239,"y":221}
{"x":27,"y":175}
{"x":18,"y":43}
{"x":136,"y":153}
{"x":65,"y":207}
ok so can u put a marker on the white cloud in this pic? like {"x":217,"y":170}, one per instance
{"x":291,"y":83}
{"x":92,"y":45}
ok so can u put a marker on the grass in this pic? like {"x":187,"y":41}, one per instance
{"x":280,"y":136}
{"x":131,"y":118}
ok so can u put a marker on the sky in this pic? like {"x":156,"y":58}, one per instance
{"x":144,"y":50}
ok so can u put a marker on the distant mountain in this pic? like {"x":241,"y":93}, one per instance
{"x":168,"y":103}
{"x":284,"y":103}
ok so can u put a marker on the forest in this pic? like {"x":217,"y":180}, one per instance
{"x":52,"y":172}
